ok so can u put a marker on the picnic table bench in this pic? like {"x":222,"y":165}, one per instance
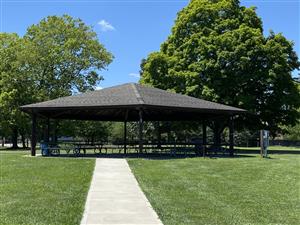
{"x":84,"y":147}
{"x":172,"y":148}
{"x":76,"y":149}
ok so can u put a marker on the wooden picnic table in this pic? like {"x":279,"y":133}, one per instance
{"x":173,"y":148}
{"x":55,"y":150}
{"x":84,"y":147}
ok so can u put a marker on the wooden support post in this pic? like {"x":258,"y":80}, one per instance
{"x":54,"y":129}
{"x":33,"y":134}
{"x":140,"y":131}
{"x":204,"y":137}
{"x":48,"y":131}
{"x":231,"y":136}
{"x":261,"y":140}
{"x":158,"y":133}
{"x":125,"y":136}
{"x":125,"y":132}
{"x":217,"y":136}
{"x":3,"y":141}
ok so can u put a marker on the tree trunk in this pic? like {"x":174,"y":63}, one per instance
{"x":3,"y":141}
{"x":23,"y":141}
{"x":14,"y":138}
{"x":217,"y":130}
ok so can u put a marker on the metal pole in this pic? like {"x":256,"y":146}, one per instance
{"x":125,"y":136}
{"x":204,"y":136}
{"x":261,"y":139}
{"x":231,"y":136}
{"x":33,"y":135}
{"x":140,"y":131}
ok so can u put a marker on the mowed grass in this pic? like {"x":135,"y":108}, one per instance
{"x":223,"y":191}
{"x":38,"y":190}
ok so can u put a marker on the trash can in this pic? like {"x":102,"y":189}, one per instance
{"x":44,"y":149}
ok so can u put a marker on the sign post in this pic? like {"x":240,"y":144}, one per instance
{"x":264,"y":143}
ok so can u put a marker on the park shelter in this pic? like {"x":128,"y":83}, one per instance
{"x":131,"y":102}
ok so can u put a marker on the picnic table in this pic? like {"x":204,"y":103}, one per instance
{"x":55,"y":150}
{"x":84,"y":147}
{"x":172,"y":148}
{"x":76,"y":148}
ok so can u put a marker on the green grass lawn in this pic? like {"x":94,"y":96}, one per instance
{"x":223,"y":191}
{"x":36,"y":190}
{"x":213,"y":191}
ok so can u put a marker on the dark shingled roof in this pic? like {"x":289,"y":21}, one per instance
{"x":123,"y":101}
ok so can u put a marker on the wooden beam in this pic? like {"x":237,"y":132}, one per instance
{"x":204,"y":137}
{"x":231,"y":136}
{"x":48,"y":130}
{"x":261,"y":141}
{"x":54,"y":130}
{"x":33,"y":134}
{"x":140,"y":131}
{"x":125,"y":131}
{"x":125,"y":136}
{"x":158,"y":133}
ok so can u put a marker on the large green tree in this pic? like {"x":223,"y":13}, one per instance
{"x":15,"y":86}
{"x":217,"y":51}
{"x":57,"y":57}
{"x":292,"y":132}
{"x":65,"y":56}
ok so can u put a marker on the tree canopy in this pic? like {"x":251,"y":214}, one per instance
{"x":57,"y":57}
{"x":65,"y":56}
{"x":16,"y":87}
{"x":217,"y":51}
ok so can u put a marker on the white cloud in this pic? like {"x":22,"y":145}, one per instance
{"x":98,"y":88}
{"x":105,"y":26}
{"x":136,"y":75}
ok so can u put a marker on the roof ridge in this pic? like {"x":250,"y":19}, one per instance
{"x":138,"y":96}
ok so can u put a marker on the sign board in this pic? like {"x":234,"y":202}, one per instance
{"x":264,"y":142}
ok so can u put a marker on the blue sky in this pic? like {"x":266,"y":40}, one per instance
{"x":131,"y":29}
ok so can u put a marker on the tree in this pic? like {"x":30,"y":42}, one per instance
{"x":15,"y":86}
{"x":57,"y":57}
{"x":65,"y":56}
{"x":92,"y":131}
{"x":293,"y":132}
{"x":217,"y":51}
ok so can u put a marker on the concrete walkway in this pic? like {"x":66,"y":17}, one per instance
{"x":115,"y":197}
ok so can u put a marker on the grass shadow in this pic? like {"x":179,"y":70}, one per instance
{"x":150,"y":156}
{"x":245,"y":151}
